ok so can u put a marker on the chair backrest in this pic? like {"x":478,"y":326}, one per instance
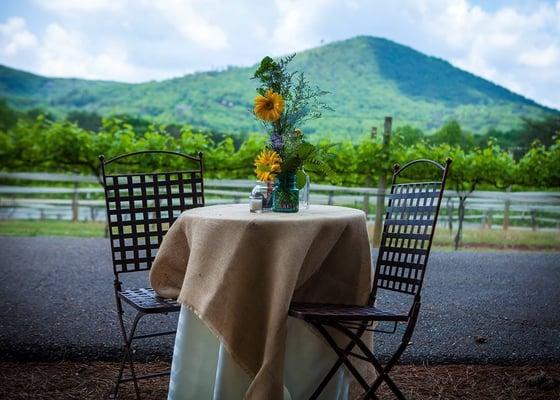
{"x":142,"y":206}
{"x":408,"y":231}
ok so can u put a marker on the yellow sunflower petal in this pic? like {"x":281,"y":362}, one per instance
{"x":267,"y":165}
{"x":269,"y":107}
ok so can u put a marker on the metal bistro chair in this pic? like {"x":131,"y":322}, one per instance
{"x":408,"y":230}
{"x":140,"y":209}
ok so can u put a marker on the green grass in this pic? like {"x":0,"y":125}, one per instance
{"x":497,"y":238}
{"x":513,"y":238}
{"x":51,"y":228}
{"x":520,"y":239}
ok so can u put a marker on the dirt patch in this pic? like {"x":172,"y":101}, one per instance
{"x":84,"y":381}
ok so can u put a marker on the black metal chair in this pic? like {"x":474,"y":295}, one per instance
{"x":140,"y":209}
{"x":408,"y":230}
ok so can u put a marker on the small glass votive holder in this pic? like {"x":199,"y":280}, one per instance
{"x":260,"y":199}
{"x":255,"y":204}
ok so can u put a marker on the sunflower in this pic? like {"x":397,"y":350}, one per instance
{"x":270,"y":106}
{"x":267,"y":165}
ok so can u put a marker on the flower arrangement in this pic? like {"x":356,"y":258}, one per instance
{"x":267,"y":165}
{"x":284,"y":101}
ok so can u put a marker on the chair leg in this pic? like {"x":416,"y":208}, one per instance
{"x":326,"y":380}
{"x":343,"y":357}
{"x":333,"y":370}
{"x":127,"y":353}
{"x":382,"y":371}
{"x":384,"y":374}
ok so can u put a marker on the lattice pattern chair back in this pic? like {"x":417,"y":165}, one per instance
{"x":142,"y":206}
{"x":408,"y":230}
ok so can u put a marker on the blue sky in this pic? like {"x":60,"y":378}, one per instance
{"x":514,"y":43}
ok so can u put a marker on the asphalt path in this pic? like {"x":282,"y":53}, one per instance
{"x":57,"y":302}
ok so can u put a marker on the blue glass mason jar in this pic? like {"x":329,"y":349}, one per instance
{"x":285,"y":196}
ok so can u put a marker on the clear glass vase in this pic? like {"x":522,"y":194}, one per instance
{"x":304,"y":193}
{"x":285,"y":196}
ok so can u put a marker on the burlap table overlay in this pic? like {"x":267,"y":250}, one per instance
{"x":239,"y":272}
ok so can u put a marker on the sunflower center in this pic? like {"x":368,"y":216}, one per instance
{"x":269,"y":105}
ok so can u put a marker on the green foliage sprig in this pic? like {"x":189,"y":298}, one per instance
{"x":301,"y":103}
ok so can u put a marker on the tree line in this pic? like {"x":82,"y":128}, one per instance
{"x":34,"y":141}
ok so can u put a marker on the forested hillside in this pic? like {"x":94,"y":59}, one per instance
{"x":368,"y":78}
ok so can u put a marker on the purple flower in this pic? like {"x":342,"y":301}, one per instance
{"x":277,"y":142}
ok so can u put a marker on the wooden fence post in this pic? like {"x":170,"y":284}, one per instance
{"x":75,"y":204}
{"x":534,"y":223}
{"x":507,"y":204}
{"x":380,"y":207}
{"x":450,"y":214}
{"x":368,"y":178}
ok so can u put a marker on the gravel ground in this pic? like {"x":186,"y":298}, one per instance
{"x":57,"y":303}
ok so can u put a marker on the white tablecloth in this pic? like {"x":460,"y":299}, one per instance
{"x":203,"y":370}
{"x":238,"y":273}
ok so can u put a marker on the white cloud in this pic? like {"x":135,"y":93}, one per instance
{"x":65,"y":53}
{"x":62,"y":53}
{"x":192,"y":25}
{"x":15,"y":37}
{"x":180,"y":15}
{"x":516,"y":45}
{"x":297,"y":24}
{"x":547,"y":57}
{"x":507,"y":46}
{"x":89,"y":6}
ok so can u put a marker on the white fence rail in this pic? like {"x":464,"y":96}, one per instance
{"x":81,"y":197}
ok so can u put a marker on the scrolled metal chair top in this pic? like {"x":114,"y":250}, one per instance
{"x":397,"y":169}
{"x":174,"y":153}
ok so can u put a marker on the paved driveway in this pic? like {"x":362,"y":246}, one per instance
{"x":57,"y":303}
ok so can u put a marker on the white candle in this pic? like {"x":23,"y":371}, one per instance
{"x":255,"y":205}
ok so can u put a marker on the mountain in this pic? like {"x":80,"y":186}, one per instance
{"x":368,"y":78}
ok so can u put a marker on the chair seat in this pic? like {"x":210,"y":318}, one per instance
{"x":341,"y":312}
{"x":148,"y":301}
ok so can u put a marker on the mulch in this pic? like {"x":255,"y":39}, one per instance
{"x":79,"y":380}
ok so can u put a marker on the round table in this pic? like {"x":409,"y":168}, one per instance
{"x":235,"y":273}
